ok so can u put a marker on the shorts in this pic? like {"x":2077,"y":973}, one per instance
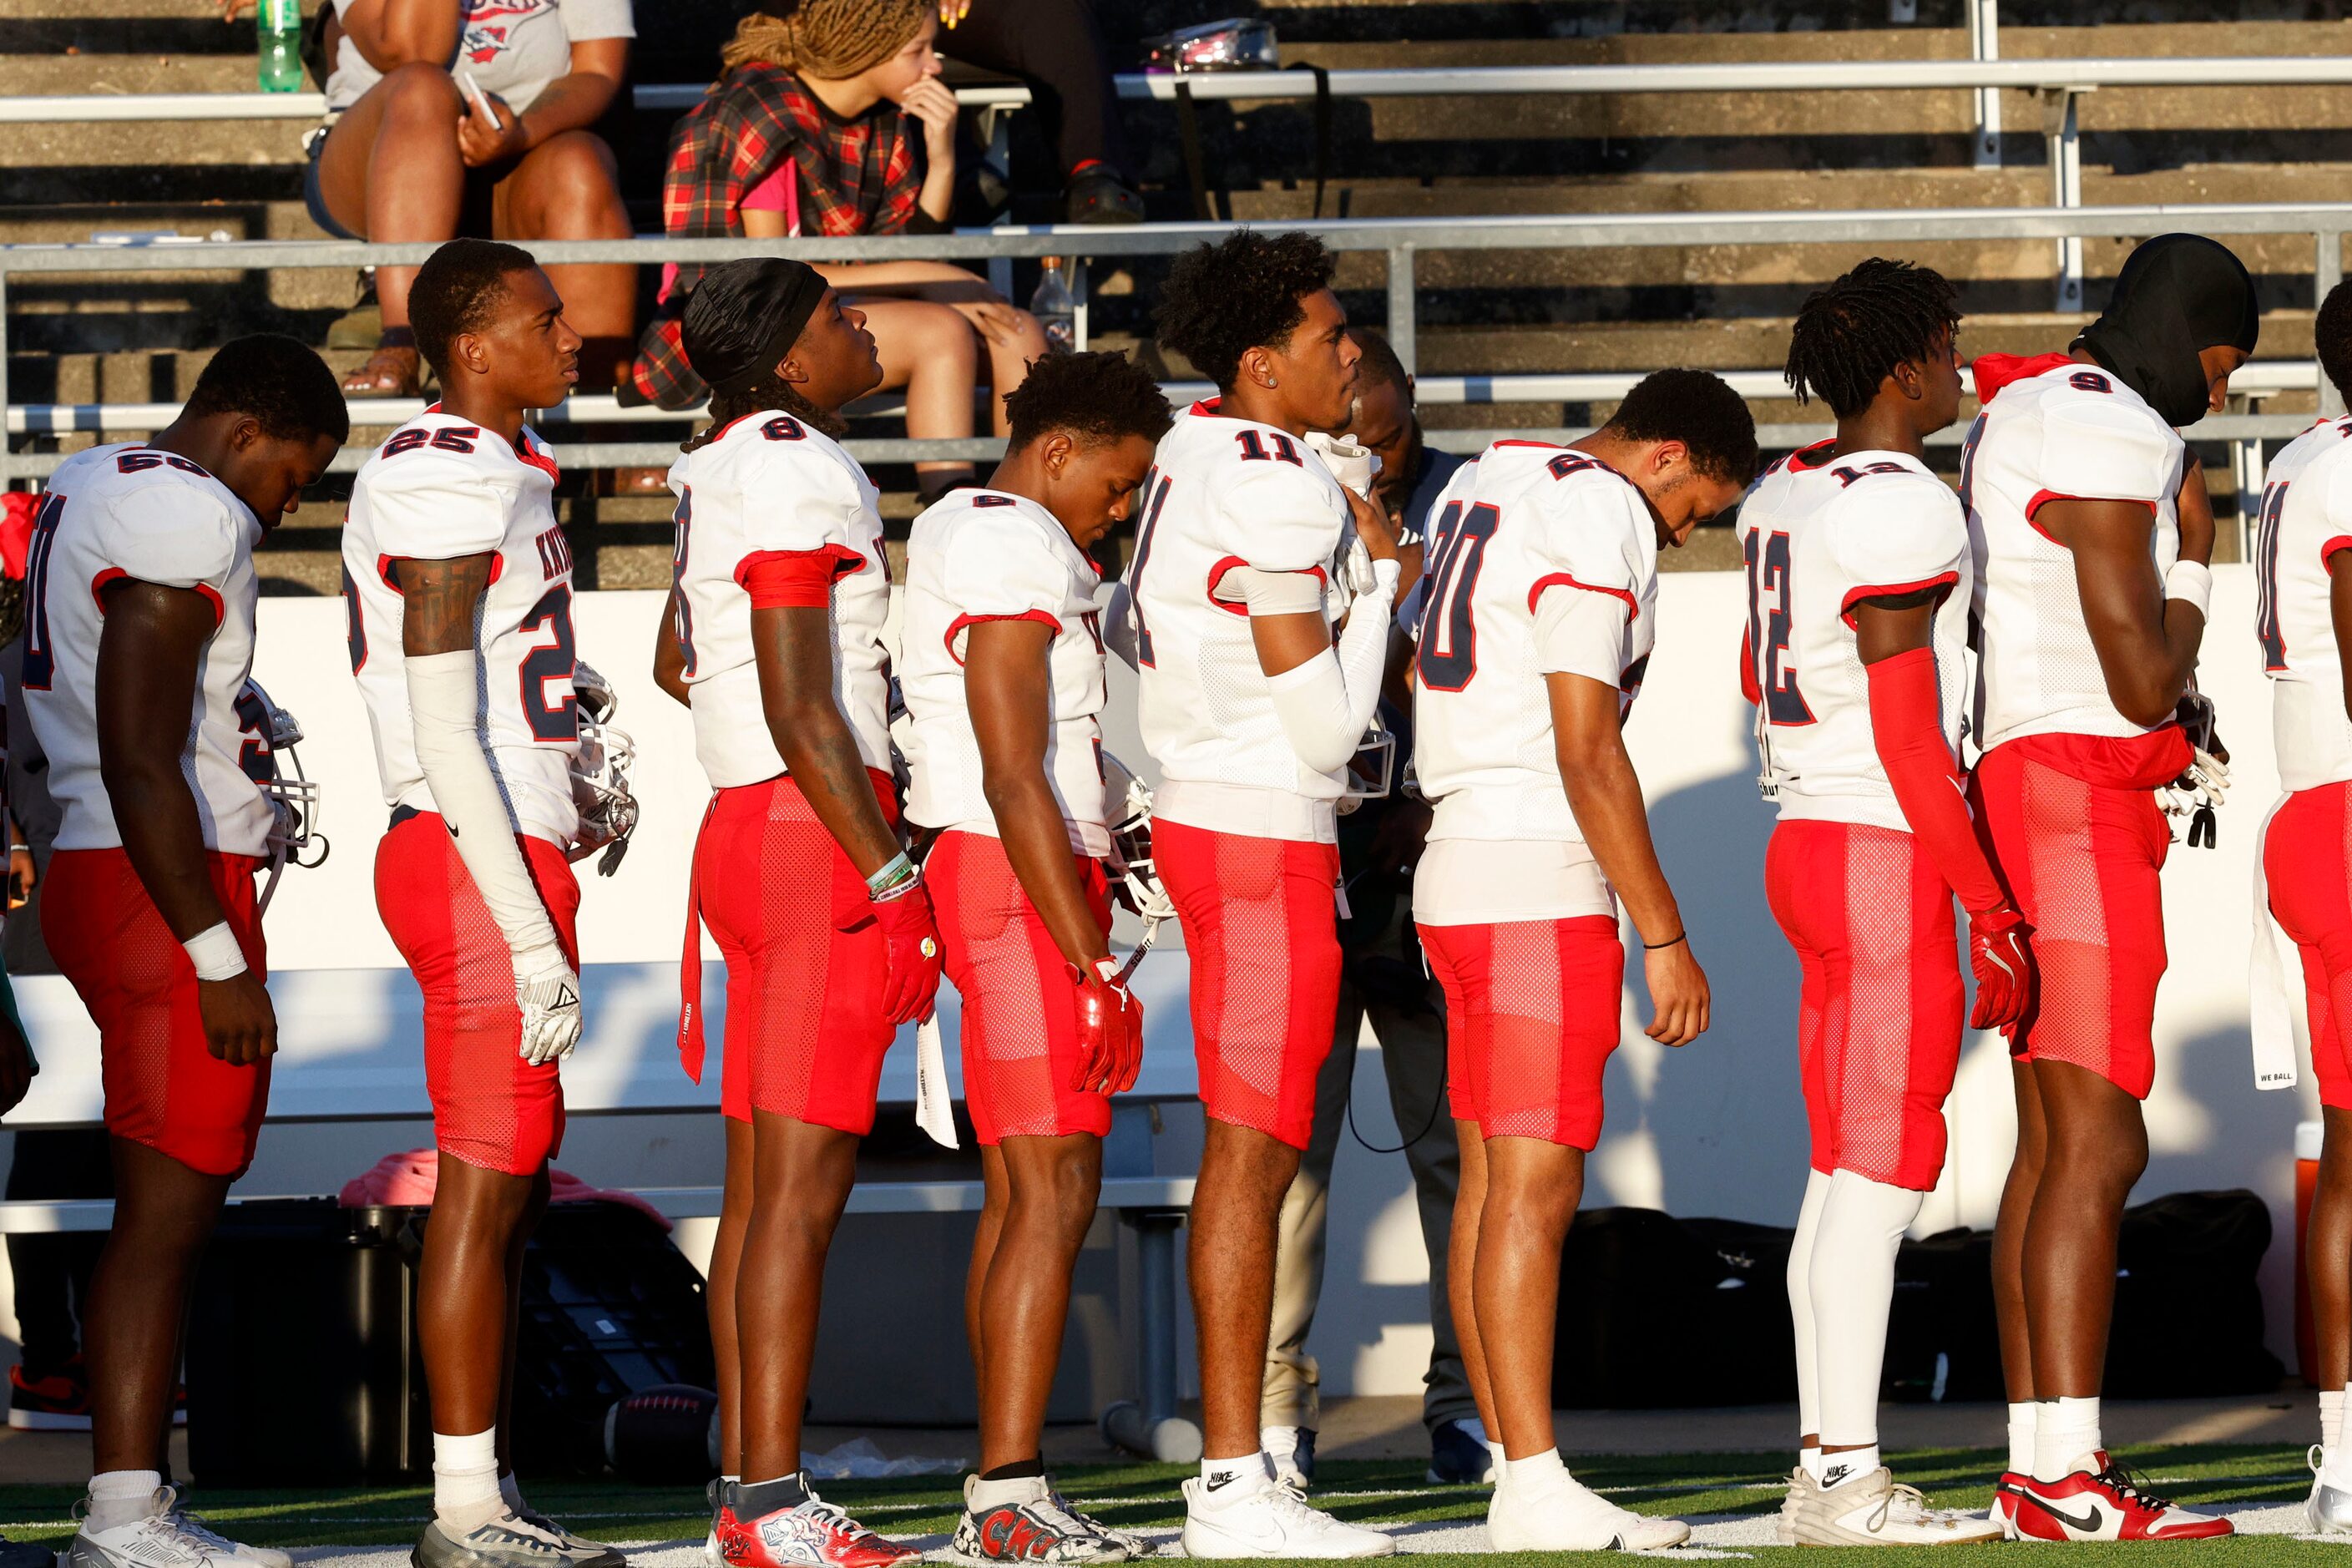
{"x":490,"y":1108}
{"x":2081,"y":857}
{"x":475,"y":200}
{"x":1532,"y":1014}
{"x":1878,"y":1031}
{"x":2308,"y":856}
{"x":1261,"y":925}
{"x":807,"y":966}
{"x":1019,"y":1008}
{"x":165,"y":1088}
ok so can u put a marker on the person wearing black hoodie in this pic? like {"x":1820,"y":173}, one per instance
{"x":2092,"y":538}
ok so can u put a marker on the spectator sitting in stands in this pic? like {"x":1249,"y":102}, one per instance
{"x":1057,"y":46}
{"x":813,"y":128}
{"x":413,"y":152}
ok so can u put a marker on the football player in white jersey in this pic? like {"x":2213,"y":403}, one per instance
{"x":1536,"y":622}
{"x":1858,"y":581}
{"x":1001,"y":656}
{"x":139,"y":625}
{"x":2302,"y":624}
{"x":459,"y":584}
{"x":2089,"y":536}
{"x":780,"y":591}
{"x":1252,"y":708}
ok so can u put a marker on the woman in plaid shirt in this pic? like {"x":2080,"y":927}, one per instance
{"x":813,"y":128}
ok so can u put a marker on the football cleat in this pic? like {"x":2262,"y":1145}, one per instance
{"x":1875,"y":1509}
{"x":578,"y":1550}
{"x":1027,"y":1523}
{"x":54,"y":1402}
{"x":1290,"y":1454}
{"x":2329,"y":1508}
{"x":1136,"y":1545}
{"x":1784,"y":1523}
{"x":506,"y":1542}
{"x":1459,"y":1455}
{"x":1563,"y":1515}
{"x":1269,"y":1521}
{"x":2105,"y":1504}
{"x":166,"y":1538}
{"x":194,"y":1523}
{"x":721,"y":1495}
{"x":810,"y":1534}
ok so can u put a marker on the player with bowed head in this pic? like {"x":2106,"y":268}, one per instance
{"x":140,"y":595}
{"x":1539,"y":617}
{"x":2090,"y":535}
{"x":1854,"y":653}
{"x":1002,"y":659}
{"x":780,"y":593}
{"x":1247,"y":553}
{"x":2302,"y":558}
{"x":459,"y":584}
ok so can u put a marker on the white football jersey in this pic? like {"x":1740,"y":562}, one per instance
{"x":2071,"y":432}
{"x":1527,"y":520}
{"x":2306,"y":518}
{"x":984,"y":555}
{"x":127,"y":511}
{"x":437,"y":489}
{"x":1820,"y":534}
{"x":769,"y":485}
{"x":1226,"y":493}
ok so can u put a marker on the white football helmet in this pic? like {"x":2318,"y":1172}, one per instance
{"x":1127,"y":802}
{"x":600,"y":773}
{"x":293,"y":799}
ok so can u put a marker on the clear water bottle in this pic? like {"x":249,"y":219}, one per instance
{"x":279,"y":23}
{"x":1056,"y":307}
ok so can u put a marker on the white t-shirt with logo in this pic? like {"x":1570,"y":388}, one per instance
{"x":511,"y":48}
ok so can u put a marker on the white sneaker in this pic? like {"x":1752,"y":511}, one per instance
{"x":1290,"y":1451}
{"x":1566,"y":1515}
{"x":1269,"y":1521}
{"x":165,"y":1539}
{"x":194,"y":1523}
{"x":2329,"y":1508}
{"x":1876,"y":1510}
{"x":1784,"y":1524}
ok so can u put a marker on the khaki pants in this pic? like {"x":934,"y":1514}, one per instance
{"x":1412,"y":1054}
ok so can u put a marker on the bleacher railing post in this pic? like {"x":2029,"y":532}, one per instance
{"x":1400,"y":306}
{"x":1984,"y":43}
{"x":2326,"y":271}
{"x":2059,"y":122}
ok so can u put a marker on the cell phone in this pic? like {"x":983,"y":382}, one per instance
{"x":481,"y":101}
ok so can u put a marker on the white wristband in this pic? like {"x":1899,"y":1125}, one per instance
{"x":216,"y":953}
{"x":2193,"y":582}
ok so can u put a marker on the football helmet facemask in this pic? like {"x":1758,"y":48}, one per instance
{"x":600,"y":773}
{"x":1127,"y":802}
{"x":293,"y":799}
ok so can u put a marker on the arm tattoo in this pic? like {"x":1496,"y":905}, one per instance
{"x":438,"y":601}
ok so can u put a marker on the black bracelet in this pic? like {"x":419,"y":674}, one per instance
{"x":1659,"y":946}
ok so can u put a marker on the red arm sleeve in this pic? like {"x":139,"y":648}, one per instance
{"x":1906,"y":728}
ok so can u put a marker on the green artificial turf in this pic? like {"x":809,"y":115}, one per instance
{"x":1371,"y":1491}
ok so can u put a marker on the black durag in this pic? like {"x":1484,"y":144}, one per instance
{"x":745,"y":315}
{"x":2178,"y":295}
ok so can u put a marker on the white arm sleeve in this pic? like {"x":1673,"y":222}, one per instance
{"x":446,"y":710}
{"x":1327,"y":703}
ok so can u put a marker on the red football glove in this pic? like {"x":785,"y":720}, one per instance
{"x":2003,"y":965}
{"x":912,"y":976}
{"x":1110,"y":1030}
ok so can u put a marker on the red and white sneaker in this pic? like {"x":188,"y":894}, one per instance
{"x":2003,"y":1511}
{"x":812,"y":1534}
{"x":2105,"y":1505}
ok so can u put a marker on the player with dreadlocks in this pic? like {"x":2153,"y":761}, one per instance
{"x":1858,"y":581}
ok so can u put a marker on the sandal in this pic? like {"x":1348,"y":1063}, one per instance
{"x":394,"y":370}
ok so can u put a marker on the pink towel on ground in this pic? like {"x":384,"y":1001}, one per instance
{"x":409,"y":1179}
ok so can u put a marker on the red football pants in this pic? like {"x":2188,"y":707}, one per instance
{"x":1532,"y":1011}
{"x":2308,"y":858}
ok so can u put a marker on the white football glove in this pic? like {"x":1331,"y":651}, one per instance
{"x":548,"y":992}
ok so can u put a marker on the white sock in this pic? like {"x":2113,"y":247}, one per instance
{"x":1800,"y":1301}
{"x":2020,"y":1435}
{"x":1809,"y":1459}
{"x":1534,"y":1472}
{"x":1280,"y":1441}
{"x":118,"y":1498}
{"x":511,"y":1490}
{"x":465,"y":1480}
{"x":987,"y":1494}
{"x":1851,"y":1282}
{"x":1224,"y":1480}
{"x":2066,"y":1436}
{"x":1847,"y":1465}
{"x":2331,"y":1419}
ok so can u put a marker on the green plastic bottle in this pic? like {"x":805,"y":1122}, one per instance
{"x":279,"y":23}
